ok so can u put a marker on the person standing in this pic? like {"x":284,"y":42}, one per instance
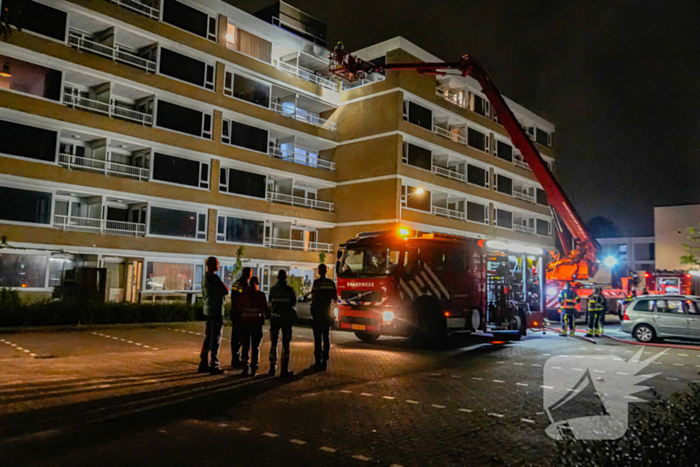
{"x":213,"y":295}
{"x":282,"y":302}
{"x":596,"y":313}
{"x":568,"y":299}
{"x":236,"y":289}
{"x":323,"y":293}
{"x":252,"y":310}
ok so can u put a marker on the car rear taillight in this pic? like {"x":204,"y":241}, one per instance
{"x":625,"y":316}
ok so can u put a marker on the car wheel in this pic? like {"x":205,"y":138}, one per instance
{"x":367,"y":337}
{"x":644,"y":333}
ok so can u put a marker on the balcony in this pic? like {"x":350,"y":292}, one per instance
{"x":307,"y":75}
{"x":452,"y":135}
{"x":524,"y":196}
{"x":298,"y":245}
{"x":300,"y":155}
{"x":519,"y":162}
{"x":524,"y":229}
{"x":302,"y":115}
{"x":110,"y":109}
{"x":98,"y":225}
{"x":151,"y":11}
{"x":448,"y":173}
{"x":449,"y":213}
{"x":283,"y":198}
{"x":107,"y":166}
{"x":115,"y":44}
{"x":457,"y":98}
{"x":114,"y":101}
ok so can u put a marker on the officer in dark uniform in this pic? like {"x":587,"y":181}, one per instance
{"x":282,"y":301}
{"x":596,"y":313}
{"x":568,"y":299}
{"x":236,"y":289}
{"x":323,"y":293}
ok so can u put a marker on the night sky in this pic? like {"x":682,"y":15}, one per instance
{"x":619,"y":79}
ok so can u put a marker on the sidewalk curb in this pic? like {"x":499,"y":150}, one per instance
{"x":655,"y":344}
{"x":85,"y":327}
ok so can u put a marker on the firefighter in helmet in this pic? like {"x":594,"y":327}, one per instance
{"x":568,"y":299}
{"x":596,"y":313}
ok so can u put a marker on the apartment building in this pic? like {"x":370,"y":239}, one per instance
{"x":142,"y":137}
{"x":637,"y":253}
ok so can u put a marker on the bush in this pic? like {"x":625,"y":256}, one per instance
{"x":665,"y":432}
{"x":13,"y":312}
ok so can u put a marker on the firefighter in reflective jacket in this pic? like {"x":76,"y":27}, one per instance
{"x":568,"y":299}
{"x":628,"y":299}
{"x":282,"y":301}
{"x":596,"y":313}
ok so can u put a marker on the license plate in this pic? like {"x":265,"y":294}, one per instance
{"x":359,"y":327}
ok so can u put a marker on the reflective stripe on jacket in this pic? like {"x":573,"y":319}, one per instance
{"x":568,"y":299}
{"x":596,"y":302}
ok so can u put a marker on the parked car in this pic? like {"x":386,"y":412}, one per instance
{"x":304,"y":308}
{"x":652,"y":317}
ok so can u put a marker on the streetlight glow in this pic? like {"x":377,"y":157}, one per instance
{"x":610,"y":261}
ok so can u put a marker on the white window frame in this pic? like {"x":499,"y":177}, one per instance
{"x":221,"y":236}
{"x":226,"y":127}
{"x":200,"y":235}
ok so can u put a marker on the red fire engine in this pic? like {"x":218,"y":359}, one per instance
{"x":666,"y":282}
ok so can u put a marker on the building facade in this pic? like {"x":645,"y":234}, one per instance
{"x":638,"y":253}
{"x":671,"y":233}
{"x":144,"y":137}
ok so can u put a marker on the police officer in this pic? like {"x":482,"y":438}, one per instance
{"x":596,"y":313}
{"x":282,"y":301}
{"x":568,"y":299}
{"x":252,"y":310}
{"x":213,"y":295}
{"x":323,"y":293}
{"x":236,"y":289}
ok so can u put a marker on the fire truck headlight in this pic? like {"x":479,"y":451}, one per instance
{"x":551,"y":291}
{"x":388,"y":316}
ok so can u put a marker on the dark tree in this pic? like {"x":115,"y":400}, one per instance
{"x":600,"y":227}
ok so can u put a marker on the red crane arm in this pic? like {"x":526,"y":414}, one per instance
{"x":580,"y":261}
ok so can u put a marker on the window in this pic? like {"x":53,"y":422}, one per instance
{"x":176,"y":223}
{"x":543,"y":138}
{"x":452,"y":261}
{"x":644,"y":305}
{"x":504,"y":151}
{"x":417,"y":156}
{"x":180,"y":171}
{"x":477,"y":176}
{"x":190,"y":19}
{"x":247,"y":89}
{"x":22,"y":270}
{"x":182,"y":119}
{"x":669,"y":306}
{"x":692,"y":307}
{"x":242,"y":183}
{"x":174,"y":276}
{"x":481,"y":105}
{"x":418,"y":115}
{"x":415,"y":201}
{"x":504,"y":219}
{"x":503,"y":184}
{"x":30,"y":78}
{"x":235,"y":230}
{"x":477,"y":213}
{"x":245,"y":136}
{"x":477,"y":139}
{"x":26,"y":206}
{"x":57,"y":269}
{"x":248,"y":44}
{"x":542,"y":197}
{"x":41,"y":19}
{"x":186,"y":69}
{"x":27,"y":141}
{"x":543,"y":228}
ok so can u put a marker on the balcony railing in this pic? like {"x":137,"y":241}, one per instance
{"x":307,"y":75}
{"x":524,"y":196}
{"x":98,"y":225}
{"x":445,"y":172}
{"x":110,"y":109}
{"x":445,"y":133}
{"x":283,"y":198}
{"x":286,"y":155}
{"x":115,"y":53}
{"x":303,"y":116}
{"x":449,"y":213}
{"x":522,"y":164}
{"x":451,"y":97}
{"x":139,"y":7}
{"x":297,"y":245}
{"x":71,"y":161}
{"x":523,"y":229}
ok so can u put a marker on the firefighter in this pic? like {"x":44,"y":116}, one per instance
{"x":282,"y":301}
{"x":236,"y":289}
{"x":628,"y":299}
{"x":568,"y":299}
{"x":323,"y":293}
{"x":252,"y":310}
{"x":596,"y":313}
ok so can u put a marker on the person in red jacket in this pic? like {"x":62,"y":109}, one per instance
{"x":252,"y":310}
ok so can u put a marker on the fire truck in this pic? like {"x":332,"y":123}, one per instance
{"x":423,"y":286}
{"x":666,"y":282}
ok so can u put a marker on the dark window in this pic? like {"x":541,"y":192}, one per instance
{"x":476,"y":139}
{"x":419,"y":115}
{"x":185,"y":17}
{"x":247,"y":136}
{"x":244,"y":231}
{"x":117,"y":214}
{"x":542,"y":197}
{"x":251,"y":90}
{"x":27,"y":141}
{"x":421,"y":202}
{"x":504,"y":219}
{"x":419,"y":157}
{"x":182,"y":67}
{"x":479,"y":105}
{"x":176,"y":170}
{"x":644,"y":305}
{"x":173,"y":223}
{"x":542,"y":228}
{"x":435,"y":258}
{"x":178,"y":118}
{"x":542,"y":137}
{"x":246,"y":183}
{"x":452,"y":261}
{"x":22,"y":270}
{"x":41,"y":19}
{"x":476,"y":212}
{"x":379,"y":61}
{"x":504,"y":184}
{"x":505,"y":151}
{"x":476,"y":175}
{"x":25,"y":206}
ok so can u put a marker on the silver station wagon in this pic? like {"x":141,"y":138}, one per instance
{"x":654,"y":317}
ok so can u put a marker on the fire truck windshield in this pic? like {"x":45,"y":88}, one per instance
{"x":369,"y":261}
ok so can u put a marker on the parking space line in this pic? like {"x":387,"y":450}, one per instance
{"x":297,"y":441}
{"x":527,"y":420}
{"x":438,"y":406}
{"x":412,"y":402}
{"x":270,"y":435}
{"x":326,"y":449}
{"x":521,"y":384}
{"x":497,"y":415}
{"x":360,"y":457}
{"x":388,"y":397}
{"x":466,"y":410}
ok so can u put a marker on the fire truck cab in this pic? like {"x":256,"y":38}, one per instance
{"x":423,"y":286}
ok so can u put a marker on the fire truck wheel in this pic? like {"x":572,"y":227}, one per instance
{"x":367,"y":337}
